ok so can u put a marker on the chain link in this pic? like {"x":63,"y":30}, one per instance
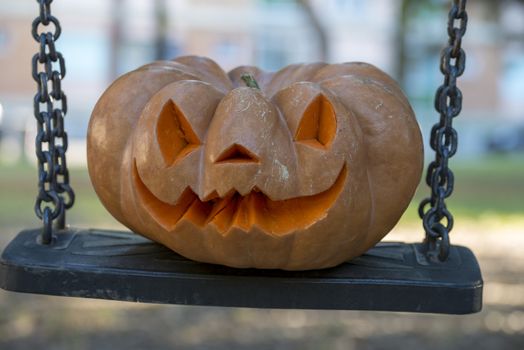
{"x":55,"y":195}
{"x":436,"y":218}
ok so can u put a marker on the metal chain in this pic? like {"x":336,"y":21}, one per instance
{"x":55,"y":195}
{"x":436,"y":218}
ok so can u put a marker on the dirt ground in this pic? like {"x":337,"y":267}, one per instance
{"x":30,"y":321}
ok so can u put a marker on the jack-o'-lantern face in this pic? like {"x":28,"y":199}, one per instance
{"x":295,"y":175}
{"x":240,"y":159}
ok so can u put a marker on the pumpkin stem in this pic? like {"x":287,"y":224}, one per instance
{"x":250,"y":81}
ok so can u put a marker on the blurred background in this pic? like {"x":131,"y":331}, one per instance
{"x":103,"y":39}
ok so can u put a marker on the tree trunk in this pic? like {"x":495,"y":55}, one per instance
{"x":161,"y":27}
{"x":400,"y":42}
{"x":115,"y":38}
{"x":317,"y":26}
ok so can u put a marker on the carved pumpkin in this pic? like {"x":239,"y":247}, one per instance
{"x":309,"y":171}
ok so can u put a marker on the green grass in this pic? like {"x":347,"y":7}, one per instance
{"x":493,"y":185}
{"x":18,"y":189}
{"x":489,"y":185}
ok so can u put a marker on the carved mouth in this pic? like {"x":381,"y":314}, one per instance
{"x":235,"y":210}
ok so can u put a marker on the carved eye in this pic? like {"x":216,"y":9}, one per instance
{"x":318,"y":125}
{"x":175,"y":135}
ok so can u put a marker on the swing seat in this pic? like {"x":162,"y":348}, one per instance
{"x":124,"y":266}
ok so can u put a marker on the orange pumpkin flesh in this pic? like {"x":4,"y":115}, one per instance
{"x":253,"y":209}
{"x":309,"y":171}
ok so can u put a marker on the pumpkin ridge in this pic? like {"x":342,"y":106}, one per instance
{"x":364,"y":80}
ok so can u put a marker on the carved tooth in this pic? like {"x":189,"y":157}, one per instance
{"x":224,"y":217}
{"x":211,"y":196}
{"x":241,"y":218}
{"x":219,"y":205}
{"x":198,"y":212}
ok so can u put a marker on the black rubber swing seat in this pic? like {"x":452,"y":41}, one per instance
{"x":124,"y":266}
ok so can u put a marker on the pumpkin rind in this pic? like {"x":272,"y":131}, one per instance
{"x":322,"y":161}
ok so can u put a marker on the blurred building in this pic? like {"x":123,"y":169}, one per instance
{"x":103,"y":39}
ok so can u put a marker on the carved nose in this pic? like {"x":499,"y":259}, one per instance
{"x":237,"y":154}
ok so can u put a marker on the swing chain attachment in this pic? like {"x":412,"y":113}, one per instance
{"x":55,"y":195}
{"x":444,"y":139}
